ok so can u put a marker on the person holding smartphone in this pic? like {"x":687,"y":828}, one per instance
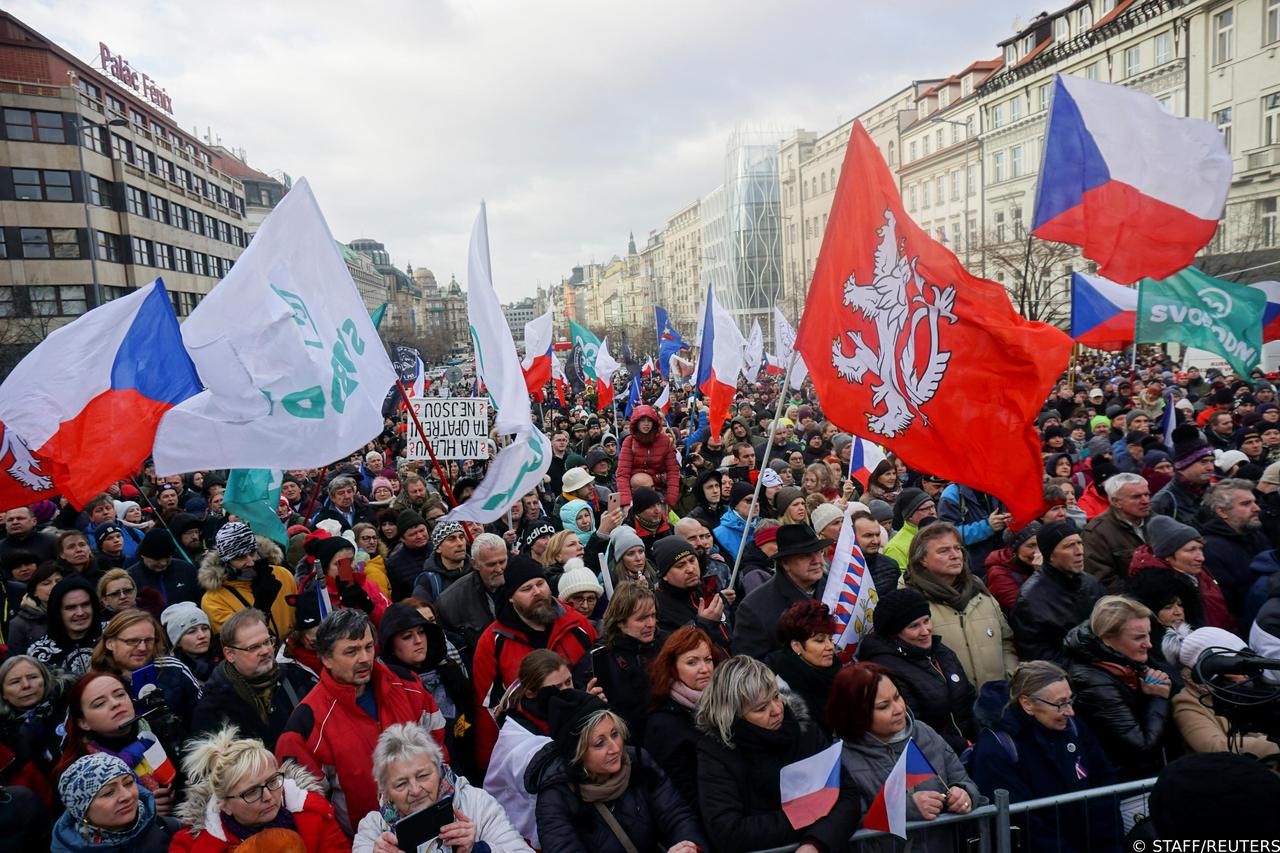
{"x":344,"y":586}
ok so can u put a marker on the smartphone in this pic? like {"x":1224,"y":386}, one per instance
{"x":142,"y":678}
{"x":415,"y":831}
{"x":344,"y":570}
{"x":710,"y":589}
{"x":615,"y":501}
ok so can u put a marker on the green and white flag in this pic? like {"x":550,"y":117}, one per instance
{"x":253,"y":494}
{"x":1201,"y":311}
{"x":586,"y":347}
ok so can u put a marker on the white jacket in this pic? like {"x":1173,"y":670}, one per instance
{"x":492,"y":825}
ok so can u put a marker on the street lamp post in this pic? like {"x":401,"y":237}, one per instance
{"x":81,"y":121}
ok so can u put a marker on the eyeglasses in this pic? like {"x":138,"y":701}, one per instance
{"x":138,"y":642}
{"x":1057,"y":706}
{"x":268,"y":643}
{"x":121,"y":593}
{"x":257,"y":792}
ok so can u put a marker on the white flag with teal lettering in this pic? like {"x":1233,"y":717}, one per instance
{"x":293,"y":369}
{"x":520,"y":466}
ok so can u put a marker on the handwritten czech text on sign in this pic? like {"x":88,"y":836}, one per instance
{"x":457,"y":427}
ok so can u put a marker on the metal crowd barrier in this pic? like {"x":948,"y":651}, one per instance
{"x":994,"y":823}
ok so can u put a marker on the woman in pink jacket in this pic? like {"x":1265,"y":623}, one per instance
{"x":652,"y":451}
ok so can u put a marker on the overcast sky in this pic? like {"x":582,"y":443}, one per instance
{"x":577,"y":122}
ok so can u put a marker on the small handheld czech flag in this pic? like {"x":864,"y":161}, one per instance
{"x":889,"y":811}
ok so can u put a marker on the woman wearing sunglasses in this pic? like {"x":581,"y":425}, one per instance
{"x":238,"y":789}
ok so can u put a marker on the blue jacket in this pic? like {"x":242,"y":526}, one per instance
{"x":1264,"y":566}
{"x":728,"y":533}
{"x":968,"y":509}
{"x":149,"y":833}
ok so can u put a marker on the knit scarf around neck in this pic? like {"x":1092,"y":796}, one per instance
{"x":256,"y":691}
{"x":610,"y":789}
{"x":933,"y":588}
{"x":684,"y":695}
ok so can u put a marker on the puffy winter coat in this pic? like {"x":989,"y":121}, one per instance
{"x":150,"y":833}
{"x":931,"y":681}
{"x":979,"y":635}
{"x":654,"y":454}
{"x":1205,"y":731}
{"x":313,"y":817}
{"x":29,"y":624}
{"x":332,"y":736}
{"x":739,"y":794}
{"x":1031,"y":761}
{"x":1227,"y":554}
{"x":672,"y":739}
{"x":1130,"y":724}
{"x":1005,"y":576}
{"x":1202,"y":599}
{"x":404,"y":564}
{"x":756,"y":626}
{"x":224,"y":596}
{"x":869,"y":760}
{"x":968,"y":509}
{"x":625,"y":680}
{"x":497,"y":662}
{"x":1051,"y":603}
{"x":493,"y":827}
{"x":650,"y":811}
{"x":1177,"y":501}
{"x":728,"y":534}
{"x":467,"y":608}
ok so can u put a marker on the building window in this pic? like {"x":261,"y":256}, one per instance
{"x":1224,"y":36}
{"x":99,"y":191}
{"x":63,"y":300}
{"x":164,"y":168}
{"x":1086,"y":19}
{"x":1268,"y":213}
{"x":195,"y":222}
{"x":971,"y":230}
{"x":224,"y":228}
{"x":1010,"y":55}
{"x":45,"y":243}
{"x":1222,"y":118}
{"x":91,"y":138}
{"x":135,"y":201}
{"x":181,"y":259}
{"x":824,"y":182}
{"x":1015,"y":109}
{"x":998,"y":219}
{"x":997,"y":115}
{"x":1091,"y":71}
{"x":1042,"y":97}
{"x":198,"y":263}
{"x":142,"y":255}
{"x":955,"y":236}
{"x":1015,"y":161}
{"x":955,"y":133}
{"x":33,"y":126}
{"x":164,"y":256}
{"x":924,"y":195}
{"x":146,"y":160}
{"x":1271,"y":22}
{"x":108,"y":246}
{"x":938,"y":140}
{"x":1017,"y":223}
{"x":1061,"y":28}
{"x":911,"y":151}
{"x":966,"y":87}
{"x":159,"y":209}
{"x":1271,"y":119}
{"x":924,"y":146}
{"x":911,"y":192}
{"x":893,"y":150}
{"x":955,"y":185}
{"x":181,"y":176}
{"x":115,"y":104}
{"x":1132,"y":60}
{"x":41,"y":185}
{"x":138,"y":118}
{"x":1164,"y":47}
{"x":940,"y":189}
{"x":92,"y":93}
{"x":997,"y":166}
{"x":121,"y":148}
{"x":971,"y":179}
{"x":178,"y":213}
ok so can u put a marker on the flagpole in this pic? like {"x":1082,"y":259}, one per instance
{"x":764,"y":463}
{"x":315,"y":493}
{"x":159,"y":519}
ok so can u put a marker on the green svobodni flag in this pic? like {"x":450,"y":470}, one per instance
{"x":253,"y":494}
{"x":586,"y":346}
{"x":1201,"y":311}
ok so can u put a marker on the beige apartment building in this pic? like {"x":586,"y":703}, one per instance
{"x":683,"y":291}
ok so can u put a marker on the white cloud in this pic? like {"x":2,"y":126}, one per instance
{"x":577,"y":122}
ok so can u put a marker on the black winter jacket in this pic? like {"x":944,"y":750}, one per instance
{"x":650,"y":811}
{"x":435,"y":579}
{"x":178,"y":582}
{"x":932,"y":683}
{"x":1031,"y":761}
{"x":1227,"y":555}
{"x":1130,"y":724}
{"x":811,"y":684}
{"x":739,"y":795}
{"x":626,"y":682}
{"x":1049,"y":605}
{"x":671,"y":739}
{"x":403,"y":567}
{"x":220,"y":705}
{"x":756,"y":622}
{"x":679,"y":607}
{"x":467,"y":608}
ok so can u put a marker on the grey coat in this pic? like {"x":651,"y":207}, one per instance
{"x":870,"y":760}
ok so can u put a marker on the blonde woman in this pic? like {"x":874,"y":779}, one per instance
{"x":236,"y":789}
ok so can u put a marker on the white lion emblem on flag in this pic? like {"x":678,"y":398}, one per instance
{"x":903,"y":385}
{"x":25,"y":468}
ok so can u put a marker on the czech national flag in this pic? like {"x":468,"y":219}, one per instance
{"x":811,"y":786}
{"x":889,"y":811}
{"x":773,"y":365}
{"x":606,"y":366}
{"x":558,"y":377}
{"x":719,"y":361}
{"x":663,"y":403}
{"x":537,"y":355}
{"x":863,"y":460}
{"x":81,"y":410}
{"x":1138,"y":189}
{"x":1103,"y":314}
{"x":1271,"y":316}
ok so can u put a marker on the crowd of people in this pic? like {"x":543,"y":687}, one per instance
{"x":628,"y":657}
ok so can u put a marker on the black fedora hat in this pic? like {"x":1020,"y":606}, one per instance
{"x":796,"y":539}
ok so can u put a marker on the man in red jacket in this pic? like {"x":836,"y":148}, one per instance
{"x":334,"y":729}
{"x":532,"y":619}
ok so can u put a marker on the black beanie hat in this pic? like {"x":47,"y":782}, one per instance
{"x":1157,"y":588}
{"x":327,"y":549}
{"x":741,"y":490}
{"x":908,"y":501}
{"x":567,"y":714}
{"x":520,"y":570}
{"x":307,"y":610}
{"x":1052,"y":534}
{"x":1015,"y":538}
{"x":643,"y":498}
{"x":540,"y":528}
{"x":157,"y":544}
{"x":897,"y":609}
{"x":669,"y":550}
{"x":409,"y":520}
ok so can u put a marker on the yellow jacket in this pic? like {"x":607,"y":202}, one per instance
{"x":376,"y":571}
{"x":223,"y":597}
